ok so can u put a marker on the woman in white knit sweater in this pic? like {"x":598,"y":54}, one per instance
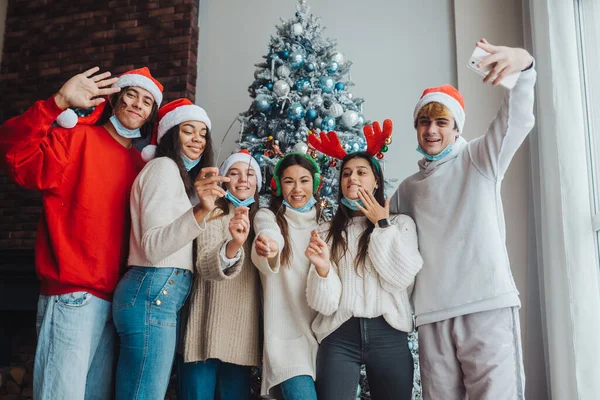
{"x":283,"y":231}
{"x":362,"y":290}
{"x":221,"y":339}
{"x":165,"y":219}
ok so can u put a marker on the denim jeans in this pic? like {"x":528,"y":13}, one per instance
{"x":370,"y":341}
{"x":76,"y":347}
{"x":212,"y":379}
{"x":299,"y":388}
{"x":146,"y":309}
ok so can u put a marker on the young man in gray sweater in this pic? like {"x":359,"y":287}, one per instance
{"x":465,"y":298}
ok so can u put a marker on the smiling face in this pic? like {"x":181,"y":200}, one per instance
{"x":296,"y":185}
{"x":357,"y":172}
{"x":436,"y":128}
{"x":134,"y":107}
{"x":243,"y":180}
{"x":192,"y":136}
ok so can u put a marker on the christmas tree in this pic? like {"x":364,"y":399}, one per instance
{"x":301,"y":88}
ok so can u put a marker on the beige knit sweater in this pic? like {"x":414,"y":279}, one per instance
{"x":290,"y":347}
{"x":222,"y":317}
{"x":382,"y":288}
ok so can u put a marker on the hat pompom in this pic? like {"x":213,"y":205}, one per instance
{"x":148,"y":152}
{"x":67,"y":119}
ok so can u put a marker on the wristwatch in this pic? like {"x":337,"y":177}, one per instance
{"x":383,"y":223}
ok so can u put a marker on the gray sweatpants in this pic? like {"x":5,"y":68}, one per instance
{"x":475,"y":356}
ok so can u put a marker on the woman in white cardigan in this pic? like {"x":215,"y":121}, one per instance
{"x":362,"y":290}
{"x":283,"y":232}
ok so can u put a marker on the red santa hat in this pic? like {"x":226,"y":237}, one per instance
{"x":170,"y":115}
{"x":245,"y":157}
{"x":137,"y":77}
{"x":448,"y":96}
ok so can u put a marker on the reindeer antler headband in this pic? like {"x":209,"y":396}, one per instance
{"x":329,"y":143}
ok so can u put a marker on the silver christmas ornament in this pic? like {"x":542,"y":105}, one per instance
{"x":350,"y":118}
{"x":335,"y":110}
{"x":339,"y":58}
{"x":281,"y":88}
{"x":297,"y":29}
{"x":301,"y":147}
{"x":283,"y":71}
{"x":304,"y":100}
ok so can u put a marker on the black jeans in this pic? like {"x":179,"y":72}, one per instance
{"x":370,"y":341}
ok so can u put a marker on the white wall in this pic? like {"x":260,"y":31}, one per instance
{"x":3,"y":8}
{"x":391,"y":64}
{"x":502,"y":23}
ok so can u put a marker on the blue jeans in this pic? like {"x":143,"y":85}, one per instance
{"x":212,"y":379}
{"x":76,"y":347}
{"x":146,"y":309}
{"x":299,"y":388}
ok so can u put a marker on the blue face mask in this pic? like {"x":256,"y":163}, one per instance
{"x":237,"y":202}
{"x":124,"y":132}
{"x":188,"y":163}
{"x":351,"y":204}
{"x":305,"y":208}
{"x":443,"y":154}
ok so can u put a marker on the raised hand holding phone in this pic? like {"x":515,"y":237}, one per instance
{"x":499,"y":65}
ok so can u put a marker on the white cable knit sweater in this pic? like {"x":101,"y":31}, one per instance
{"x":290,"y":347}
{"x":382,"y":288}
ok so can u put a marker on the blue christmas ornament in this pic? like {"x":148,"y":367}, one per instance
{"x":328,"y":123}
{"x":326,"y":190}
{"x":261,"y":103}
{"x":354,"y":146}
{"x":270,"y":85}
{"x":411,"y":345}
{"x":296,"y":111}
{"x":311,"y":114}
{"x":302,"y":84}
{"x":310,"y":67}
{"x":340,"y":86}
{"x":284,"y":54}
{"x":332,"y":67}
{"x":259,"y":157}
{"x":326,"y":84}
{"x":296,"y":59}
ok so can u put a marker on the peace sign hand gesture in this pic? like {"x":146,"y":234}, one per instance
{"x":84,"y":90}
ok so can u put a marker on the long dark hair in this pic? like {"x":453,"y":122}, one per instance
{"x":170,"y":146}
{"x":277,"y":207}
{"x":114,"y":100}
{"x":338,"y":230}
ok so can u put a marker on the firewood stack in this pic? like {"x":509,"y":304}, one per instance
{"x":16,"y":383}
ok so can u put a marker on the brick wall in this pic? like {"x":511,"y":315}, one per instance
{"x":46,"y":42}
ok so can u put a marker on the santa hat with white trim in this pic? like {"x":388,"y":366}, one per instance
{"x":140,"y":77}
{"x":448,"y":96}
{"x":245,"y":157}
{"x":170,"y":115}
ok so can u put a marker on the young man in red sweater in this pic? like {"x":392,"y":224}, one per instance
{"x":85,"y":173}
